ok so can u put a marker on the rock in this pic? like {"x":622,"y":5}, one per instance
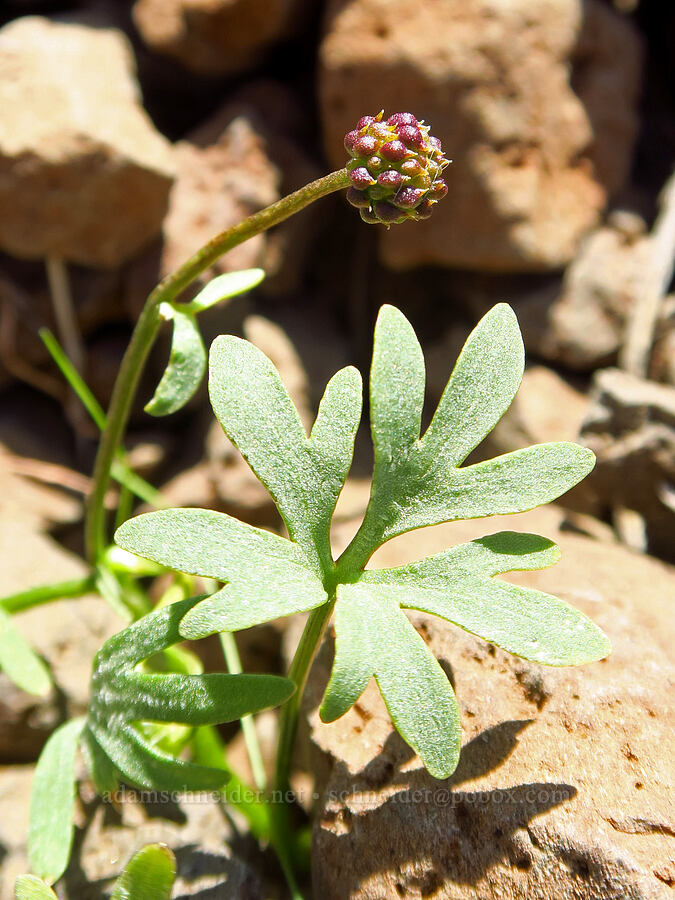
{"x":15,"y":782}
{"x":582,"y":325}
{"x":630,"y":426}
{"x":214,"y":37}
{"x":83,"y":174}
{"x":562,"y":787}
{"x":536,"y":104}
{"x":66,"y":633}
{"x":108,"y":834}
{"x":546,"y":408}
{"x":224,"y":175}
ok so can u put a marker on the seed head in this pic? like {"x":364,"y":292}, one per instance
{"x":395,"y":168}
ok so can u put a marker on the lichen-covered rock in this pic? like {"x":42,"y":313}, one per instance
{"x":83,"y":173}
{"x":563,"y":783}
{"x":214,"y":36}
{"x":534,"y":102}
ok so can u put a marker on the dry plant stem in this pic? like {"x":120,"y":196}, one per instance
{"x":636,"y":351}
{"x":148,"y":324}
{"x":64,"y":311}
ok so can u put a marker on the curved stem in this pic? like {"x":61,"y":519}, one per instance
{"x":148,"y":324}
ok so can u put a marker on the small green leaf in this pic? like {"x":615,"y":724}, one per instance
{"x":19,"y":661}
{"x":223,"y":287}
{"x":304,"y":475}
{"x":268,"y":576}
{"x":149,"y":875}
{"x":50,"y":827}
{"x":28,"y":887}
{"x":121,"y":696}
{"x":186,"y":366}
{"x":457,"y":585}
{"x":373,"y":636}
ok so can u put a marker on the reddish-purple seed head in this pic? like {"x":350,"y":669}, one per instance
{"x":365,"y":121}
{"x":357,"y":198}
{"x":361,"y":178}
{"x":411,"y":167}
{"x":365,"y":145}
{"x":390,"y":179}
{"x":387,"y":212}
{"x":408,"y":197}
{"x":423,"y":211}
{"x":350,"y":139}
{"x":435,"y":143}
{"x":394,"y":151}
{"x":402,"y":119}
{"x":369,"y":216}
{"x":411,"y":136}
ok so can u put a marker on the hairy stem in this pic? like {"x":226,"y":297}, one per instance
{"x":148,"y":324}
{"x":288,"y":723}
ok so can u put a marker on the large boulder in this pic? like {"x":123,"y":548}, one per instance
{"x":84,"y":175}
{"x":562,"y":787}
{"x":535,"y":103}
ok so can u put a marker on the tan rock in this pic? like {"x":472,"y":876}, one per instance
{"x":546,"y":408}
{"x":83,"y":173}
{"x":224,"y":175}
{"x":108,"y":836}
{"x":563,"y":783}
{"x":630,"y":426}
{"x":536,"y":104}
{"x":582,"y":326}
{"x":67,"y":633}
{"x":214,"y":36}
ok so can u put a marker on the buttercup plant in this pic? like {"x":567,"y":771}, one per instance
{"x":152,"y":710}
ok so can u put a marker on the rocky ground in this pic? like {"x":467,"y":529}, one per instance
{"x":130,"y":133}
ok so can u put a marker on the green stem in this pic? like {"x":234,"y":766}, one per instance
{"x":148,"y":324}
{"x":288,"y":723}
{"x":233,"y":662}
{"x":63,"y":590}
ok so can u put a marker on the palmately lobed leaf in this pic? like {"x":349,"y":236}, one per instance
{"x":121,"y":696}
{"x":418,"y":480}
